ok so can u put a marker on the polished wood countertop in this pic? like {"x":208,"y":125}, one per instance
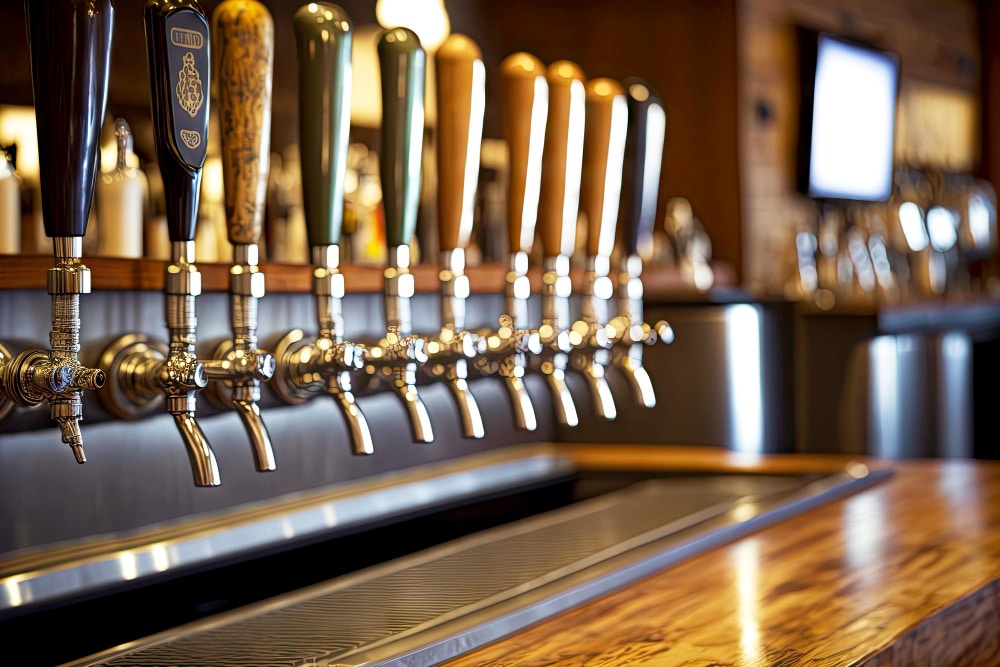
{"x":906,"y":572}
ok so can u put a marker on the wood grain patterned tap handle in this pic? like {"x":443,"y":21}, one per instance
{"x":643,"y":159}
{"x":402,"y":61}
{"x":70,"y":45}
{"x":525,"y":99}
{"x":562,"y":159}
{"x":243,"y":53}
{"x":178,"y":50}
{"x":603,"y":152}
{"x":323,"y":35}
{"x":461,"y":103}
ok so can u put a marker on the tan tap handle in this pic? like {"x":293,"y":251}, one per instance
{"x":461,"y":102}
{"x":560,"y":193}
{"x":603,"y":157}
{"x":243,"y":39}
{"x":525,"y":106}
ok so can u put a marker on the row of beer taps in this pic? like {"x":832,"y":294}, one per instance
{"x":570,"y":142}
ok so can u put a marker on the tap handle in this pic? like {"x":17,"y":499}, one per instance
{"x":603,"y":154}
{"x":643,"y":158}
{"x":243,"y":36}
{"x":525,"y":106}
{"x":323,"y":36}
{"x":461,"y":103}
{"x":402,"y":62}
{"x":70,"y":45}
{"x":562,"y":159}
{"x":177,"y":47}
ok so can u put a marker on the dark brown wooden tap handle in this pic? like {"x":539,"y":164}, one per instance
{"x":243,"y":41}
{"x":177,"y":46}
{"x":70,"y":45}
{"x":647,"y":123}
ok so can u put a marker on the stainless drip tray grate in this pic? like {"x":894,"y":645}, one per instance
{"x":447,"y":600}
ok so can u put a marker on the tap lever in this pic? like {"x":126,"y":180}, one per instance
{"x":643,"y":159}
{"x":70,"y":45}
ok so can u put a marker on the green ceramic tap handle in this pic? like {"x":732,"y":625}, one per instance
{"x":402,"y":61}
{"x":243,"y":37}
{"x":70,"y":45}
{"x":643,"y":158}
{"x":178,"y":45}
{"x":323,"y":34}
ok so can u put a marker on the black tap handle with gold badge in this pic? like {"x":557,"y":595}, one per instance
{"x":177,"y":44}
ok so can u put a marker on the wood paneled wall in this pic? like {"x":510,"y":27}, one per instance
{"x":938,"y":43}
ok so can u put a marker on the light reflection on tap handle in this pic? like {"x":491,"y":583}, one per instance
{"x":70,"y":44}
{"x":243,"y":55}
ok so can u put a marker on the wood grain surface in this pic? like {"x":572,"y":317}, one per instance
{"x":905,"y":573}
{"x":107,"y":273}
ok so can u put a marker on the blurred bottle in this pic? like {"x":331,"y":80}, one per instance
{"x":10,"y":206}
{"x":120,"y":202}
{"x":156,"y":238}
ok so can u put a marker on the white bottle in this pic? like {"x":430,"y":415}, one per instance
{"x":10,"y":208}
{"x":119,"y":203}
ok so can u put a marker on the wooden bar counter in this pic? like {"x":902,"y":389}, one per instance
{"x":906,"y":572}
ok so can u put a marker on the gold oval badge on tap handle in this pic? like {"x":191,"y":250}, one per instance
{"x":603,"y":155}
{"x":461,"y":105}
{"x":558,"y":209}
{"x":243,"y":58}
{"x":70,"y":44}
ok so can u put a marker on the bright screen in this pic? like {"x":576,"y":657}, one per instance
{"x":854,"y":114}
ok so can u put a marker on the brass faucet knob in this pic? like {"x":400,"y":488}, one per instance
{"x":182,"y":373}
{"x":343,"y":356}
{"x":395,"y":349}
{"x":34,"y":376}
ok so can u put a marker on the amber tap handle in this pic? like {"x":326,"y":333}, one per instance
{"x":461,"y":104}
{"x":562,"y":159}
{"x":603,"y":153}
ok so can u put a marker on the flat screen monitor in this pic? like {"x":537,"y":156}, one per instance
{"x":848,"y":118}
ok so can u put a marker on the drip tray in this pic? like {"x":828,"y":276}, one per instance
{"x":438,"y":603}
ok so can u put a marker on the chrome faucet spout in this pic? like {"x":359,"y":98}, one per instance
{"x":260,"y":440}
{"x":420,"y":421}
{"x":520,"y":401}
{"x":468,"y":409}
{"x":361,"y":435}
{"x":203,"y":464}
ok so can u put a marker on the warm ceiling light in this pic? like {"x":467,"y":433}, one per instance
{"x":427,"y":18}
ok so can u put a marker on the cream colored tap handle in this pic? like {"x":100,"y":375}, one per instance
{"x":603,"y":156}
{"x":461,"y":103}
{"x":560,"y":193}
{"x":525,"y":92}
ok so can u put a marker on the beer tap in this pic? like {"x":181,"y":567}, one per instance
{"x":643,"y":158}
{"x":142,"y":371}
{"x":305,"y":367}
{"x":525,"y":93}
{"x":395,"y":357}
{"x":70,"y":45}
{"x":243,"y":40}
{"x":558,"y":209}
{"x":461,"y":103}
{"x":603,"y":155}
